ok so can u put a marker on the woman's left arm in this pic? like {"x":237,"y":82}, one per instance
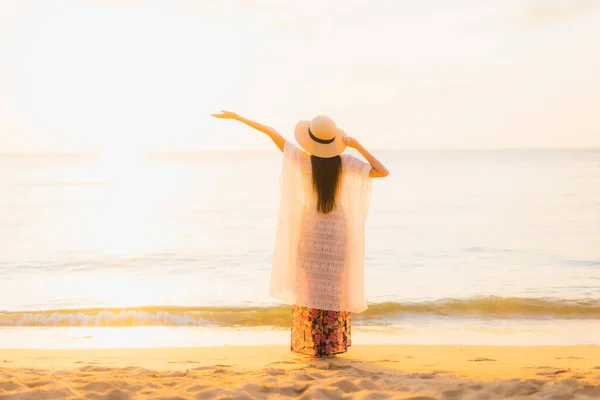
{"x":378,"y":170}
{"x":272,"y":133}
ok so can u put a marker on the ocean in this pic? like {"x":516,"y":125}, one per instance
{"x":170,"y":249}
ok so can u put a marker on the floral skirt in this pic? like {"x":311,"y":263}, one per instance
{"x":320,"y":332}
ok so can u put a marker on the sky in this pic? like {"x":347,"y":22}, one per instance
{"x":143,"y":75}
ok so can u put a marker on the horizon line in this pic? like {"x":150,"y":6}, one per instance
{"x":157,"y":152}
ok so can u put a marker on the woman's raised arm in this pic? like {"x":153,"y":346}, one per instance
{"x":272,"y":133}
{"x":377,"y":168}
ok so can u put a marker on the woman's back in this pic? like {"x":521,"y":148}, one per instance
{"x":310,"y":199}
{"x":319,"y":256}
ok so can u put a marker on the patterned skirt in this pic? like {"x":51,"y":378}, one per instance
{"x":320,"y":333}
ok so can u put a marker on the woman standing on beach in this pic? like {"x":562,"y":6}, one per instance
{"x":318,"y":265}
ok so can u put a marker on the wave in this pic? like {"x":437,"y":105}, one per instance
{"x":279,"y":316}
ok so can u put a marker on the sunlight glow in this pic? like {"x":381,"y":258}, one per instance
{"x":129,"y":207}
{"x":137,"y":76}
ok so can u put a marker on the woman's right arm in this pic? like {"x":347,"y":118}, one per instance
{"x":377,"y":168}
{"x":272,"y":133}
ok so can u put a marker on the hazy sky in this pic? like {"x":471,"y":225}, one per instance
{"x":109,"y":75}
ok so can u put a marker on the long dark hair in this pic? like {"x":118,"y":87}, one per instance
{"x":326,"y":180}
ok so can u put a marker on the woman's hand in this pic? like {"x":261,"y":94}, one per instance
{"x":351,"y":142}
{"x":226,"y":115}
{"x":377,"y":168}
{"x":275,"y":137}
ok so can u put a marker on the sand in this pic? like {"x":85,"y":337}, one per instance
{"x":261,"y":372}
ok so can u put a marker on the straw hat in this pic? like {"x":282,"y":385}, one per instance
{"x":320,"y":137}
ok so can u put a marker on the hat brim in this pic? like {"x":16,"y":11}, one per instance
{"x":321,"y":150}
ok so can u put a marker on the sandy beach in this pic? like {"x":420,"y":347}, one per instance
{"x":261,"y":372}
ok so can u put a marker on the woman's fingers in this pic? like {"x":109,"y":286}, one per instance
{"x":224,"y":114}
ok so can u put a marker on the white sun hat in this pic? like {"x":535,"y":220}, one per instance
{"x":320,"y":137}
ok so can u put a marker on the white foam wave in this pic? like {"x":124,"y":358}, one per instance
{"x":103,"y":318}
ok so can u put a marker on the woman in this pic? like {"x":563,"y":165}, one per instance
{"x":319,"y":248}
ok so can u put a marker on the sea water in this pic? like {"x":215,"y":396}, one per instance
{"x":491,"y":247}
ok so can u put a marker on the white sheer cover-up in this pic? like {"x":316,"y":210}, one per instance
{"x":318,"y":260}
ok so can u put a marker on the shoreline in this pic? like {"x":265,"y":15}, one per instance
{"x":250,"y":372}
{"x":435,"y":332}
